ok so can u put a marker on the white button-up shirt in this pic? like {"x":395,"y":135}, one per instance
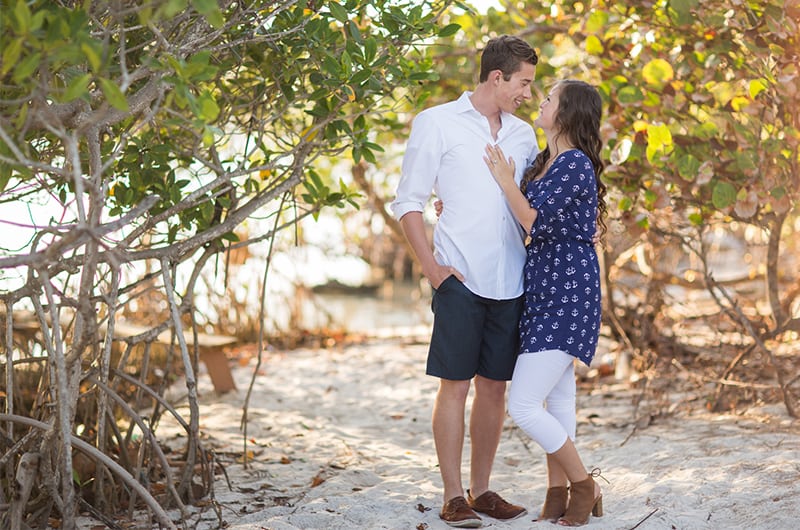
{"x":477,"y":232}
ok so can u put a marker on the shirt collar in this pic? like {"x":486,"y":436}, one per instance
{"x":464,"y":104}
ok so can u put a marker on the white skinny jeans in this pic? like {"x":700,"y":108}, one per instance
{"x":544,"y":378}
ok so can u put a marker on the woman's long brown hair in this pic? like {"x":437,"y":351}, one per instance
{"x":580,"y":109}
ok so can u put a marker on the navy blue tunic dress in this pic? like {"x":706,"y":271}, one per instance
{"x":562,"y":274}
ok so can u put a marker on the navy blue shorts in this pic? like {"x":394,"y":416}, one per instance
{"x":472,"y":335}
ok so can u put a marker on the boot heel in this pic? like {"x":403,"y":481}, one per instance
{"x":582,"y":502}
{"x":597,"y":511}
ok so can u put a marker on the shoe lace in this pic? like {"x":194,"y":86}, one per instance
{"x":596,"y":473}
{"x":458,"y":503}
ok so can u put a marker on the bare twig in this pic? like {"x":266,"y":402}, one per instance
{"x":113,"y":466}
{"x":26,"y":474}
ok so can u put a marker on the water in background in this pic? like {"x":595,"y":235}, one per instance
{"x":392,"y":309}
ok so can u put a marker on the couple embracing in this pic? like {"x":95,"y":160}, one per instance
{"x":515,"y":275}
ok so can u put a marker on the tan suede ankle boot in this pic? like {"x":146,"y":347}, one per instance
{"x":555,"y":504}
{"x":582,"y":502}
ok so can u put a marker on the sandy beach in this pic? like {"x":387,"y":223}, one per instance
{"x":340,"y":439}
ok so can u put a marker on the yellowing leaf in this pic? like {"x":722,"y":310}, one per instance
{"x":723,"y":92}
{"x":658,"y":73}
{"x":739,"y":102}
{"x":208,"y":136}
{"x":757,"y":86}
{"x":246,"y":456}
{"x":351,"y":94}
{"x":594,"y":46}
{"x":659,"y":141}
{"x":308,"y":134}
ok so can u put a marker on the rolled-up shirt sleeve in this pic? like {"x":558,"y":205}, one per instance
{"x":420,"y":166}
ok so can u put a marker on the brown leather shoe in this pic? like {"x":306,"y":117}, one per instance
{"x":495,"y":506}
{"x":456,"y":512}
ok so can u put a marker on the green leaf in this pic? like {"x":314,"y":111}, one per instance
{"x":23,"y":114}
{"x":208,"y":108}
{"x":650,"y":197}
{"x":114,"y":95}
{"x":11,"y":55}
{"x":696,"y":219}
{"x":38,"y":19}
{"x":370,"y":49}
{"x":360,"y":77}
{"x":688,"y":166}
{"x":93,"y":56}
{"x":705,"y":131}
{"x":597,"y":21}
{"x":210,"y":10}
{"x":207,"y":211}
{"x":170,"y":8}
{"x":630,"y":94}
{"x":347,"y":62}
{"x":5,"y":176}
{"x":449,"y":30}
{"x":331,"y":66}
{"x":423,"y":76}
{"x":355,"y":33}
{"x":26,"y":67}
{"x":23,"y":16}
{"x":77,"y":88}
{"x":724,"y":195}
{"x":369,"y":156}
{"x":681,"y":10}
{"x":338,"y":12}
{"x":778,"y":192}
{"x":315,"y":180}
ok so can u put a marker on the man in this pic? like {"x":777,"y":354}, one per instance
{"x":475,"y":267}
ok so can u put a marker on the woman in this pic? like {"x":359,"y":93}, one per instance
{"x":559,"y":203}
